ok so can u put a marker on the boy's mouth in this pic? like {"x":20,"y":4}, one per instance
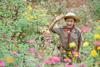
{"x":69,"y":24}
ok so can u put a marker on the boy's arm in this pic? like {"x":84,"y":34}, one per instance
{"x":80,"y":40}
{"x":55,"y":21}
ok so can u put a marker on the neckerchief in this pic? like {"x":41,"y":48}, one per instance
{"x":66,"y":29}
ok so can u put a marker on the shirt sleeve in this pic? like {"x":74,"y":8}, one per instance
{"x":56,"y":30}
{"x":80,"y":39}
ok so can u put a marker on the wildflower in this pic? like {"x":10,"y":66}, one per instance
{"x":97,"y":20}
{"x":93,"y":53}
{"x":69,"y":52}
{"x":75,"y":53}
{"x":63,"y":51}
{"x":32,"y":50}
{"x":29,"y":8}
{"x":14,"y":53}
{"x":85,"y":44}
{"x":98,"y":28}
{"x":48,"y":62}
{"x":52,"y":60}
{"x":98,"y":48}
{"x":97,"y":43}
{"x":30,"y":18}
{"x":85,"y":29}
{"x":32,"y":41}
{"x":55,"y":59}
{"x":25,"y":14}
{"x":97,"y":36}
{"x":10,"y":59}
{"x":72,"y":45}
{"x":67,"y":60}
{"x":2,"y":64}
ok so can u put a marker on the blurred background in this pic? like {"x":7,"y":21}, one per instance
{"x":25,"y":40}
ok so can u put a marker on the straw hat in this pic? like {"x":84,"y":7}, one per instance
{"x":72,"y":15}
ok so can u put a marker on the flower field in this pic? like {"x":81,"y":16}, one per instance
{"x":25,"y":40}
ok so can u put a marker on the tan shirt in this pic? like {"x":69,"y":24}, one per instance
{"x":75,"y":36}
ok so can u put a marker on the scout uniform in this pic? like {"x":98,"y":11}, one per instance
{"x":68,"y":35}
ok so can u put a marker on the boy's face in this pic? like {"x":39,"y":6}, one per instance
{"x":70,"y":22}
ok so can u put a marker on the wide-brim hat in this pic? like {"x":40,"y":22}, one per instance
{"x":72,"y":15}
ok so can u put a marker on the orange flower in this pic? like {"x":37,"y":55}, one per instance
{"x":10,"y":59}
{"x":14,"y":52}
{"x":97,"y":20}
{"x":98,"y":48}
{"x":76,"y":54}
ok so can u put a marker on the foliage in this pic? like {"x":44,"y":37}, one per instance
{"x":26,"y":41}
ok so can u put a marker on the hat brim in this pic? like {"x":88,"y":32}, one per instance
{"x":74,"y":17}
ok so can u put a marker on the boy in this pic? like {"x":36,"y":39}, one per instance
{"x":68,"y":33}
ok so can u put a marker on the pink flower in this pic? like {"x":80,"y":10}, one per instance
{"x":73,"y":65}
{"x":97,"y":43}
{"x":2,"y":64}
{"x":85,"y":29}
{"x":32,"y":50}
{"x":48,"y":62}
{"x":75,"y":53}
{"x":32,"y":41}
{"x":55,"y":59}
{"x":52,"y":60}
{"x":67,"y":60}
{"x":15,"y":53}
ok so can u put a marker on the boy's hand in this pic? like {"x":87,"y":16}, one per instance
{"x":59,"y":17}
{"x":55,"y":21}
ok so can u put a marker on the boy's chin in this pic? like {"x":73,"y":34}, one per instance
{"x":69,"y":26}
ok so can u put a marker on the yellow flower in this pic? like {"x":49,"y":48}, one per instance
{"x":97,"y":36}
{"x":85,"y":44}
{"x":69,"y":52}
{"x":98,"y":48}
{"x":72,"y":44}
{"x":25,"y":14}
{"x":29,"y":8}
{"x":93,"y":53}
{"x":98,"y":28}
{"x":31,"y":17}
{"x":10,"y":59}
{"x":28,"y":19}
